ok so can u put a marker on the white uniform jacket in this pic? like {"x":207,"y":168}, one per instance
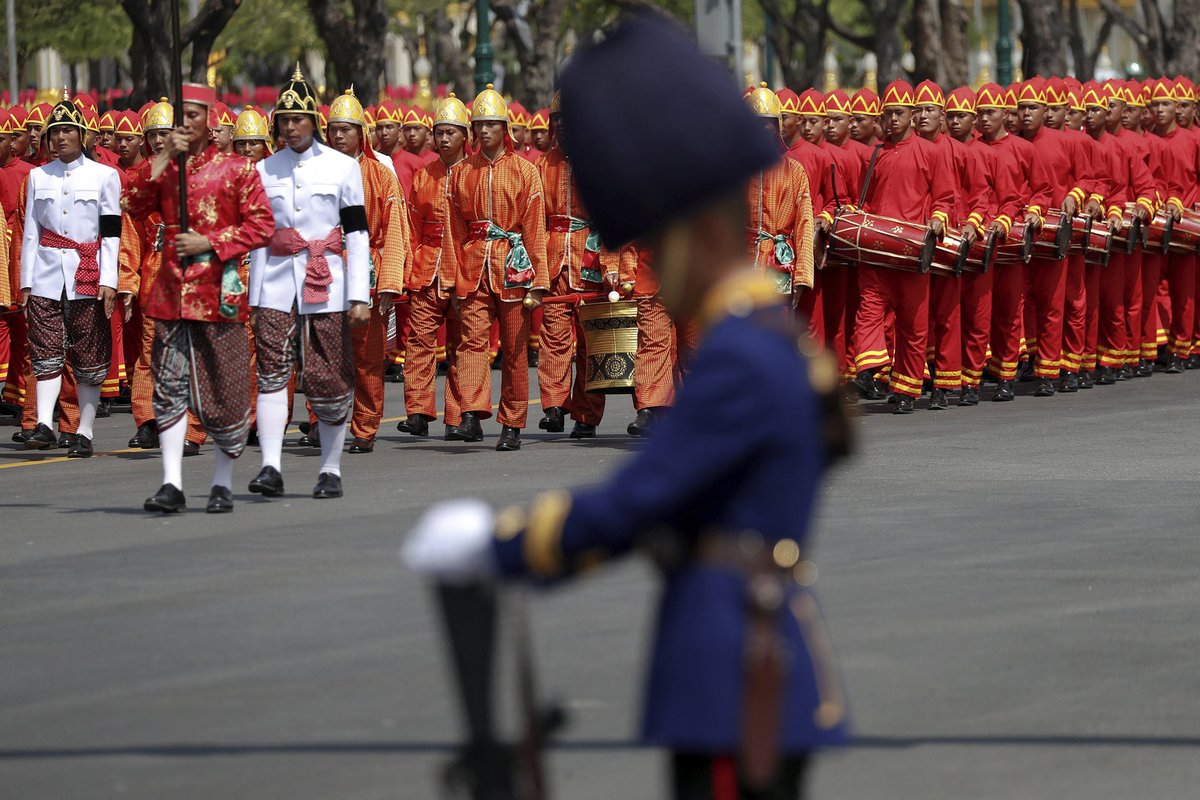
{"x":78,"y":201}
{"x":314,"y":192}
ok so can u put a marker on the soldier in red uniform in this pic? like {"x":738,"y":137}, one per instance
{"x":199,"y":304}
{"x":864,"y":113}
{"x":913,"y":181}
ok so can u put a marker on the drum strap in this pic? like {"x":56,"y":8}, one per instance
{"x":862,"y":197}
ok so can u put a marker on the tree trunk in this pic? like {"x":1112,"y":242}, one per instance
{"x":452,"y":55}
{"x":202,"y":32}
{"x":534,"y":37}
{"x":1183,"y":39}
{"x":926,"y":37}
{"x":1043,"y":38}
{"x":799,"y":39}
{"x":356,"y":44}
{"x":151,"y":56}
{"x":955,"y":44}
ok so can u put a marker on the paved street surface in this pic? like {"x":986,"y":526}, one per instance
{"x":1013,"y":591}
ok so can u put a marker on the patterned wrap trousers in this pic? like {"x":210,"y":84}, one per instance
{"x":318,"y":347}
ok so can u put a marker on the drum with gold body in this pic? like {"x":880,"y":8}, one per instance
{"x":611,"y":336}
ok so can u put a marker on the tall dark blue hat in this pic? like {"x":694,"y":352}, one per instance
{"x":655,"y":129}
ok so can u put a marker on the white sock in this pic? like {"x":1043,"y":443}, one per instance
{"x":272,"y":421}
{"x":89,"y":398}
{"x":171,"y":443}
{"x":333,"y":437}
{"x":47,"y":396}
{"x":222,"y":469}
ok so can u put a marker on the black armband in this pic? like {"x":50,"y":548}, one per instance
{"x":354,"y":218}
{"x":110,"y":225}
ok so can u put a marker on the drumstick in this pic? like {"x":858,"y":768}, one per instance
{"x":571,"y":299}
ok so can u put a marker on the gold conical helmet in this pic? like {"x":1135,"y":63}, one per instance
{"x":763,"y":102}
{"x":451,"y":111}
{"x":489,"y":106}
{"x":346,"y":108}
{"x":160,"y":116}
{"x":556,"y":104}
{"x":251,"y":125}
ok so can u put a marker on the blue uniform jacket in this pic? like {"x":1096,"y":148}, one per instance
{"x":739,"y":454}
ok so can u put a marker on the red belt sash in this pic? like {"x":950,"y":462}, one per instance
{"x":87,"y":276}
{"x":317,"y":277}
{"x":477,"y":231}
{"x":432,"y":232}
{"x":560,"y":223}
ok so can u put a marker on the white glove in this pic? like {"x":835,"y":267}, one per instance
{"x":452,"y":541}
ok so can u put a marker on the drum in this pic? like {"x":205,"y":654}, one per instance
{"x":864,"y":238}
{"x":1080,"y":228}
{"x":982,"y":254}
{"x":1159,"y":232}
{"x":610,"y":335}
{"x":1130,"y":236}
{"x":951,"y":254}
{"x":1099,"y":243}
{"x":1017,"y":247}
{"x":1185,"y":236}
{"x":1052,"y":241}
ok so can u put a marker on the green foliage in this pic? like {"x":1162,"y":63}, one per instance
{"x":266,"y":31}
{"x":79,"y":31}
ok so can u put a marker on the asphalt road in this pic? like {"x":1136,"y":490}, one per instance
{"x":1012,"y":590}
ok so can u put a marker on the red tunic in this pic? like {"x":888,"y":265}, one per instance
{"x":816,"y":163}
{"x":227,"y":204}
{"x":971,"y":189}
{"x":429,"y":214}
{"x":1180,"y":167}
{"x":846,"y":181}
{"x":913,"y":181}
{"x":1063,"y":159}
{"x":1017,"y":168}
{"x":568,"y":249}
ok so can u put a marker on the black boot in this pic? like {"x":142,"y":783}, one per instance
{"x":312,"y":438}
{"x":168,"y":500}
{"x":938,"y":401}
{"x":1105,"y":377}
{"x":1144,"y":369}
{"x":1069,"y":383}
{"x":1004,"y":392}
{"x":220,"y":500}
{"x":268,"y":482}
{"x":103,"y":409}
{"x":1193,"y":361}
{"x":42,"y":438}
{"x":146,"y":437}
{"x":360,"y":445}
{"x":867,"y":386}
{"x":469,"y":430}
{"x":80,"y":448}
{"x":416,"y":425}
{"x":969,"y":397}
{"x":451,"y":434}
{"x":1045,"y":388}
{"x":554,"y":420}
{"x":1125,"y":373}
{"x":510,"y":440}
{"x":904,"y":404}
{"x":581,"y":430}
{"x":1086,"y":381}
{"x":1176,"y":366}
{"x":647,"y":418}
{"x":533,"y":358}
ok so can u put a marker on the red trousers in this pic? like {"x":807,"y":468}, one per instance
{"x":397,"y":355}
{"x":563,"y":343}
{"x":1008,"y":293}
{"x":1152,"y":266}
{"x":16,"y":329}
{"x":1181,"y":277}
{"x":975,"y":297}
{"x":687,"y":339}
{"x":111,"y":387}
{"x":1047,"y":281}
{"x":536,"y":318}
{"x":430,"y":314}
{"x":141,"y":389}
{"x":945,"y":331}
{"x":654,"y":365}
{"x":1132,"y":301}
{"x":478,"y":311}
{"x":833,"y":312}
{"x":907,"y":294}
{"x":1108,"y":344}
{"x":370,"y":360}
{"x":812,"y":308}
{"x":1075,"y":315}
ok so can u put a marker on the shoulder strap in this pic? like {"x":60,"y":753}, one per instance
{"x":862,"y":197}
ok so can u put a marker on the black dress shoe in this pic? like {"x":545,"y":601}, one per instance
{"x":1144,"y":369}
{"x":1045,"y":388}
{"x":361,"y":445}
{"x":66,"y":439}
{"x":168,"y":500}
{"x":10,"y":409}
{"x":146,"y":437}
{"x":969,"y":396}
{"x":1025,"y":372}
{"x":451,"y":434}
{"x":191,"y":448}
{"x":581,"y":430}
{"x":1193,"y":361}
{"x":510,"y":439}
{"x":22,"y":436}
{"x":553,"y":421}
{"x":498,"y":361}
{"x":1175,"y":366}
{"x":904,"y":404}
{"x":312,"y":439}
{"x":268,"y":482}
{"x":328,"y":485}
{"x":646,"y":420}
{"x":893,"y":398}
{"x":397,"y":376}
{"x":252,"y":437}
{"x":1086,"y":381}
{"x":103,"y":409}
{"x":1105,"y":377}
{"x":1069,"y":383}
{"x":1004,"y":392}
{"x":220,"y":501}
{"x":533,"y":358}
{"x":80,"y":448}
{"x":469,"y":430}
{"x":867,"y":386}
{"x":41,"y":438}
{"x":416,"y":425}
{"x":938,"y":401}
{"x":1125,"y":373}
{"x":305,"y":426}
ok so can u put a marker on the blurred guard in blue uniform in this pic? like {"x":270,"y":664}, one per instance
{"x":742,"y":685}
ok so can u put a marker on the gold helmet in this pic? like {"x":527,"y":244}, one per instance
{"x":346,"y":108}
{"x":489,"y":106}
{"x":161,"y":116}
{"x":451,"y":111}
{"x":251,"y":126}
{"x":763,"y":102}
{"x":297,"y":96}
{"x":556,"y":104}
